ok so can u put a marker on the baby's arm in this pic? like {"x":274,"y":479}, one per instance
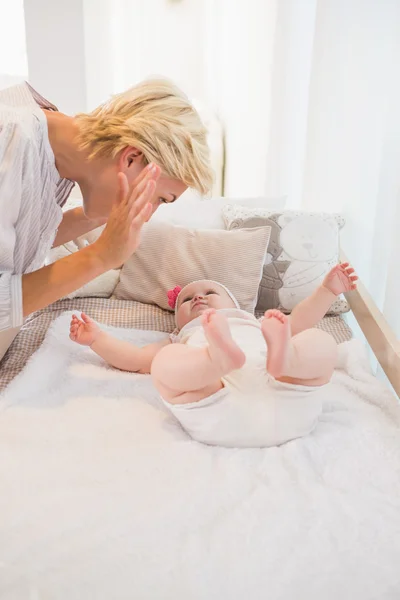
{"x":124,"y":355}
{"x":310,"y":311}
{"x":117,"y":353}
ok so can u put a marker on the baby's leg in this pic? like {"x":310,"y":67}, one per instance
{"x":307,"y":358}
{"x":184,"y":374}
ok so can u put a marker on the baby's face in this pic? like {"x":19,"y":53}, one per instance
{"x":197,"y":297}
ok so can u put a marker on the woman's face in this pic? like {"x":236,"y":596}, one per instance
{"x":100,"y":196}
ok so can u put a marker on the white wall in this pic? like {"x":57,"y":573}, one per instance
{"x":129,"y":40}
{"x":13,"y":59}
{"x":168,"y":41}
{"x":55,"y":45}
{"x":242,"y":65}
{"x":101,"y":68}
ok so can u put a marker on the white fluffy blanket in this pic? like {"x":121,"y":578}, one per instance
{"x":103,"y":496}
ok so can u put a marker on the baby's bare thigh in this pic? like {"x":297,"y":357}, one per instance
{"x":174,"y":397}
{"x":306,"y":382}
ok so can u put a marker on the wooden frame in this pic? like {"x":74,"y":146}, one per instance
{"x":378,"y":334}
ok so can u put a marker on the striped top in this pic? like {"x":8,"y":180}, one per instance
{"x":32,"y":194}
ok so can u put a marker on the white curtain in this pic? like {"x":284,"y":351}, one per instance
{"x":335,"y":128}
{"x":218,"y":51}
{"x":308,"y":92}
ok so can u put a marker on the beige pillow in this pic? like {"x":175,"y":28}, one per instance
{"x":170,"y":255}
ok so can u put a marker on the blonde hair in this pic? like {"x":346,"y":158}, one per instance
{"x":158,"y":119}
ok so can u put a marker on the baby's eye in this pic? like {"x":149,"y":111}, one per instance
{"x":163,"y":201}
{"x":210,"y":292}
{"x":186,"y":299}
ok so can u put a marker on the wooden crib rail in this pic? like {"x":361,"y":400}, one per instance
{"x":379,"y":335}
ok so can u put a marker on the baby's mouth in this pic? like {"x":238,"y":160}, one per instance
{"x":198,"y":303}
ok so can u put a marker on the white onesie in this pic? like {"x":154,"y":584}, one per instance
{"x":252,"y":409}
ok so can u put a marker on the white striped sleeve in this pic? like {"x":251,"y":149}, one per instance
{"x":12,"y":142}
{"x":11,"y":314}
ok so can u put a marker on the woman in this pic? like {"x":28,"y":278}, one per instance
{"x":142,"y":148}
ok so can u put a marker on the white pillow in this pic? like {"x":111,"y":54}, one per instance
{"x":192,"y":211}
{"x":89,"y":238}
{"x":195,"y":212}
{"x":100,"y":287}
{"x":303,"y":247}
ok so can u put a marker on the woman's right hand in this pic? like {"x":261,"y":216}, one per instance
{"x":121,"y":235}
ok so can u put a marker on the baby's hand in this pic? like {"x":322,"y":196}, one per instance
{"x":83,"y":331}
{"x":340,"y":279}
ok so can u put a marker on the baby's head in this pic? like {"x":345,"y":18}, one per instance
{"x":196,"y":297}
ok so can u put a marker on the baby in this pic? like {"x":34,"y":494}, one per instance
{"x":230,"y":379}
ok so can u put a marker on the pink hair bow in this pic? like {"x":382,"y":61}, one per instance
{"x":173,"y":296}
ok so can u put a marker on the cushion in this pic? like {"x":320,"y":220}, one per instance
{"x":170,"y":255}
{"x":193,"y":211}
{"x":75,"y":201}
{"x":88,"y":238}
{"x":303,"y":247}
{"x":100,"y":287}
{"x":190,"y":210}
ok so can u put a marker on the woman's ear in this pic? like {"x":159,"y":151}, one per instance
{"x":129,"y":157}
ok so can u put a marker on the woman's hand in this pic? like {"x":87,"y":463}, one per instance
{"x":83,"y":331}
{"x":121,"y":236}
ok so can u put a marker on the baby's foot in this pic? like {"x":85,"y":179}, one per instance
{"x":277,"y":333}
{"x":222,"y":349}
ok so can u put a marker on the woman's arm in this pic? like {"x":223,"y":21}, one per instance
{"x":44,"y":286}
{"x":74,"y":224}
{"x":20,"y":295}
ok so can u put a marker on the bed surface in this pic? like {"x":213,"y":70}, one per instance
{"x":107,"y":497}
